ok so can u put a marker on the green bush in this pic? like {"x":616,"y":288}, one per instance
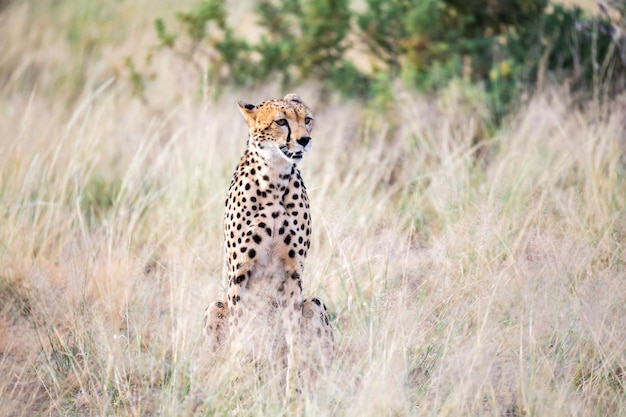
{"x":301,"y":40}
{"x":506,"y":47}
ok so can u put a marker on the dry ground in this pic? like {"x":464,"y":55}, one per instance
{"x":463,"y":279}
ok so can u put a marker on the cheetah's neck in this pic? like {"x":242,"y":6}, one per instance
{"x":272,"y":156}
{"x":271,"y":170}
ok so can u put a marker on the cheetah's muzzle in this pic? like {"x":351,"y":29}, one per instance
{"x":291,"y":155}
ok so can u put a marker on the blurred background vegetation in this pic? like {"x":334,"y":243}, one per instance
{"x":360,"y":49}
{"x":498,"y":51}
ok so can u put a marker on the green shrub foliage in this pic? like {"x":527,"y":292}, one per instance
{"x":505,"y":46}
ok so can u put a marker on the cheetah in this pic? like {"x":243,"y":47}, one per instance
{"x":267,"y":229}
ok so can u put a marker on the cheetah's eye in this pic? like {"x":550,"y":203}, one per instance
{"x":307,"y":120}
{"x":281,"y":122}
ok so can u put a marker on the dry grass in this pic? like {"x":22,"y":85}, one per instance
{"x":462,"y":281}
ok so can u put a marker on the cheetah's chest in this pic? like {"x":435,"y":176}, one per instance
{"x":267,"y":219}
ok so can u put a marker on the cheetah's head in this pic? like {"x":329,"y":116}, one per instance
{"x":279,"y":128}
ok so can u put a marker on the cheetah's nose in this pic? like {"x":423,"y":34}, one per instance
{"x":304,"y":140}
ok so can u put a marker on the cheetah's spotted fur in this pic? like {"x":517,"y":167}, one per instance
{"x":267,"y":228}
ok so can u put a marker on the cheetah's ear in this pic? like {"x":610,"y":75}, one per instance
{"x":248,"y":111}
{"x":293,"y":97}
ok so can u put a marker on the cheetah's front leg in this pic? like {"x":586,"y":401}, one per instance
{"x":317,"y":339}
{"x":216,"y":326}
{"x":292,"y":318}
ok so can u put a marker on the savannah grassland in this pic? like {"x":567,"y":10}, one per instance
{"x":463,"y":278}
